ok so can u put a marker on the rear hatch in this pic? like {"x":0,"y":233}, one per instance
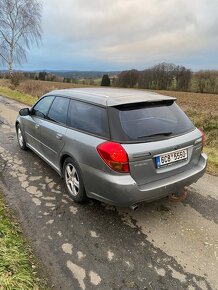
{"x":159,"y":138}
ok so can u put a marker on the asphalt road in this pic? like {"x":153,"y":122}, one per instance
{"x":162,"y":245}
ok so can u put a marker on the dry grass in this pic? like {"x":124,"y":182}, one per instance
{"x":38,"y":88}
{"x":203,"y":103}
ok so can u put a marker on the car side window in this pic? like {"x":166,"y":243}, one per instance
{"x":88,"y":118}
{"x":42,"y":107}
{"x":58,"y":110}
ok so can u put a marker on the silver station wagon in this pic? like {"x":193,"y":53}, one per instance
{"x":120,"y":146}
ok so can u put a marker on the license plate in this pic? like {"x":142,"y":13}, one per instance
{"x":171,"y":157}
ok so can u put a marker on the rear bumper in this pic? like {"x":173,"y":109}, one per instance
{"x":122,"y":190}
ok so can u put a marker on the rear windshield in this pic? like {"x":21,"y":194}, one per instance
{"x":148,"y":122}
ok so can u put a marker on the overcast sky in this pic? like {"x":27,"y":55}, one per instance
{"x":125,"y":34}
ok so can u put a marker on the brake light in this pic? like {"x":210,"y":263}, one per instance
{"x":203,"y":139}
{"x":114,"y":155}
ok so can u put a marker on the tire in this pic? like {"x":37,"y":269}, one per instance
{"x":20,"y":138}
{"x":73,"y":181}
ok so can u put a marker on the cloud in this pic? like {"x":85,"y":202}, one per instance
{"x":128,"y":33}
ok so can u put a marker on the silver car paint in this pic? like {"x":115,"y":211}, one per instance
{"x":53,"y":142}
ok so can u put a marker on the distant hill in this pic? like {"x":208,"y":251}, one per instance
{"x":82,"y":74}
{"x":73,"y":74}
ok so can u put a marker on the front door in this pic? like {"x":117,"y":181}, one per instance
{"x":53,"y":130}
{"x":33,"y":122}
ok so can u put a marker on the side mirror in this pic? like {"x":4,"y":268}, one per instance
{"x":24,"y":112}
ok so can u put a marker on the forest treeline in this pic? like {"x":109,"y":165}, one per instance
{"x":164,"y":76}
{"x":167,"y":76}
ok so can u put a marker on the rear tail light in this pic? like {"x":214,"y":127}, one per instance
{"x":114,"y":155}
{"x":203,"y":139}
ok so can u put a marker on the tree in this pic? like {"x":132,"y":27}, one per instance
{"x":42,"y":75}
{"x":105,"y":81}
{"x":128,"y":79}
{"x":19,"y":28}
{"x":183,"y":78}
{"x":164,"y":76}
{"x":206,"y":81}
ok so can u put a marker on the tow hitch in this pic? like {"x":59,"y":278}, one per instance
{"x":179,"y":197}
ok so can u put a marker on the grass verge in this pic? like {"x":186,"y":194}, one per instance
{"x":18,"y":96}
{"x":212,"y":154}
{"x":209,"y":124}
{"x":17,"y":266}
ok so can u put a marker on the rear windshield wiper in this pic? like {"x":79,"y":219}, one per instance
{"x":156,"y":134}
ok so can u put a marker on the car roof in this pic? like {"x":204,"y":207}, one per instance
{"x":111,"y":96}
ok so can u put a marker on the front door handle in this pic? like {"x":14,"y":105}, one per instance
{"x":37,"y":126}
{"x":59,"y":136}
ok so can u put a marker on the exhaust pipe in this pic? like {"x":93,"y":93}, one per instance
{"x":134,"y":206}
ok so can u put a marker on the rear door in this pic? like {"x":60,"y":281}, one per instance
{"x":53,"y":130}
{"x":150,"y":130}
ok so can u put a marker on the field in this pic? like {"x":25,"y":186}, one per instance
{"x":38,"y":88}
{"x":201,"y":108}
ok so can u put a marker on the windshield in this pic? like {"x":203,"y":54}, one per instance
{"x":138,"y":122}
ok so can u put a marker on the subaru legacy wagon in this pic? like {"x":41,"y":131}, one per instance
{"x":120,"y":146}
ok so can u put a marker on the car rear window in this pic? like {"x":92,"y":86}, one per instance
{"x":149,"y":121}
{"x":88,"y":118}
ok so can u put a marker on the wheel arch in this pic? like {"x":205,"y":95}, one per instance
{"x":64,"y":156}
{"x":17,"y":123}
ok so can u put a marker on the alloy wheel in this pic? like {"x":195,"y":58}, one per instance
{"x":72,"y":179}
{"x":20,"y":137}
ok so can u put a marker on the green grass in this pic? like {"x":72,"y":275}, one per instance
{"x":18,"y":96}
{"x":17,"y":269}
{"x":212,"y":154}
{"x":209,"y":124}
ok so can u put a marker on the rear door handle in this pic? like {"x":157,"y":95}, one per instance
{"x":59,"y":136}
{"x":37,"y":126}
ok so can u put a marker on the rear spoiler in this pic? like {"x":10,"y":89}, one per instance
{"x":151,"y":103}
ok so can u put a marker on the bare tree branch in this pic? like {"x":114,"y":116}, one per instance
{"x":4,"y":36}
{"x":20,"y":28}
{"x":4,"y":58}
